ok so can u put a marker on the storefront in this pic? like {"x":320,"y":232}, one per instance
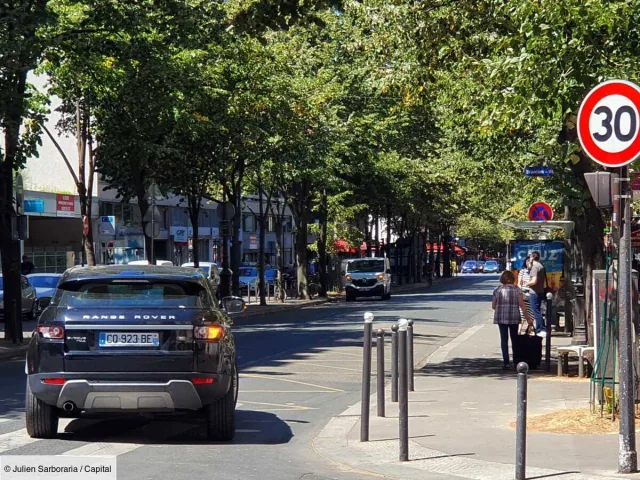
{"x":54,"y":242}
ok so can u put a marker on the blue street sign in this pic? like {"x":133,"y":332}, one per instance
{"x":538,"y":171}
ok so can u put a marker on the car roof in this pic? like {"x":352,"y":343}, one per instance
{"x":139,"y":271}
{"x":44,"y":275}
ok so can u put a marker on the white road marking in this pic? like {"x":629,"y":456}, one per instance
{"x":21,"y":438}
{"x":255,"y":375}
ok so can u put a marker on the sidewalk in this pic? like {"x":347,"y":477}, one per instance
{"x":460,"y":422}
{"x":9,"y":350}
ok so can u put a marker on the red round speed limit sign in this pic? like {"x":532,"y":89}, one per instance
{"x":608,"y":123}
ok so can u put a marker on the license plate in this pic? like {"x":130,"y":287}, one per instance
{"x":128,"y":339}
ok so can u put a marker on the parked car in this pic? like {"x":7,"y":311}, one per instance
{"x":213,"y":274}
{"x":45,"y":285}
{"x":368,"y":277}
{"x":248,"y":277}
{"x":470,"y":266}
{"x":120,"y":341}
{"x":491,"y":266}
{"x":29,"y":304}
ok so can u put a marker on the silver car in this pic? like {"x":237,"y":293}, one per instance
{"x":29,"y":304}
{"x":211,"y":271}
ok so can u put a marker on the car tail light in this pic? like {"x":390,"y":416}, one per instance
{"x":51,"y":332}
{"x":209,"y":332}
{"x":348,"y":278}
{"x":202,"y":381}
{"x":54,"y":381}
{"x":380,"y":277}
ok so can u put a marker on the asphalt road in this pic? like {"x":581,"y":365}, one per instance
{"x":298,"y":369}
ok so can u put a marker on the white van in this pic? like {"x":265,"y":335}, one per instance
{"x":163,"y":263}
{"x":368,"y":277}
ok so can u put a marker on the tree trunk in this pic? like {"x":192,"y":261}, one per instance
{"x":322,"y":243}
{"x":261,"y":246}
{"x":376,"y":219}
{"x":9,"y":248}
{"x":91,"y":255}
{"x":388,"y":230}
{"x":302,"y":234}
{"x":194,"y":215}
{"x":279,"y":248}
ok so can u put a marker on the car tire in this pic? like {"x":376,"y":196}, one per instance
{"x":41,"y":419}
{"x":350,"y":298}
{"x":220,"y":415}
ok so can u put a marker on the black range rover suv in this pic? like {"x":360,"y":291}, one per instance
{"x":118,"y":339}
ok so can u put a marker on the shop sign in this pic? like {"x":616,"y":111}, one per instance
{"x":107,"y":225}
{"x":65,"y":206}
{"x":180,"y":234}
{"x":34,"y":205}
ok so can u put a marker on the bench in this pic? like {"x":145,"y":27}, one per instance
{"x":563,"y":358}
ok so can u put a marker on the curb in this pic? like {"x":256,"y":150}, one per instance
{"x":16,"y":352}
{"x":381,"y":457}
{"x":278,"y":308}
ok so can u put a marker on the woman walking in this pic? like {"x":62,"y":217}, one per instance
{"x":507,"y":303}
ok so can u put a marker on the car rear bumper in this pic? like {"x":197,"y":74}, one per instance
{"x":146,"y":392}
{"x":374,"y":291}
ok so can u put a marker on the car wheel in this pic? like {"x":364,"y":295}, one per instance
{"x":221,"y":415}
{"x":350,"y":298}
{"x":41,"y":419}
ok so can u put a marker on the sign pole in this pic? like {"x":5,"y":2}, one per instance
{"x":609,"y":133}
{"x":628,"y":457}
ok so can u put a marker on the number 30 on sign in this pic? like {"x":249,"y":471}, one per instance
{"x":608,"y":122}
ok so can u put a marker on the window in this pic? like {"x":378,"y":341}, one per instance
{"x":249,"y":222}
{"x":103,"y":293}
{"x":287,"y":224}
{"x":106,"y":209}
{"x":271,"y":223}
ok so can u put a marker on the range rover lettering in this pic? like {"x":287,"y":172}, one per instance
{"x":118,"y":340}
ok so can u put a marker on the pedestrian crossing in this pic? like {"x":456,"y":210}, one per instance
{"x":83,"y":432}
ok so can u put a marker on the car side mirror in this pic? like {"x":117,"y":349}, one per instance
{"x":233,"y":305}
{"x":44,"y":303}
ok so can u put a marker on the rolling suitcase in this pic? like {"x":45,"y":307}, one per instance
{"x":528,"y":349}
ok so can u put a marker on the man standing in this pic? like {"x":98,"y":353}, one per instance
{"x":537,"y":276}
{"x":26,"y":267}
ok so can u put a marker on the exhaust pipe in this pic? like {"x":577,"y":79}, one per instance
{"x":68,"y":407}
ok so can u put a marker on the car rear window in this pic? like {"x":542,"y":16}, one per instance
{"x":103,"y":294}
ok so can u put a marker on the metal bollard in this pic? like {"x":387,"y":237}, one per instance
{"x":394,"y":363}
{"x":521,"y":422}
{"x":403,"y":392}
{"x":410,"y":354}
{"x":366,"y":378}
{"x":380,"y":375}
{"x":548,"y":330}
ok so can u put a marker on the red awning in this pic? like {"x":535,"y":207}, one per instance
{"x":342,"y":246}
{"x":439,"y":247}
